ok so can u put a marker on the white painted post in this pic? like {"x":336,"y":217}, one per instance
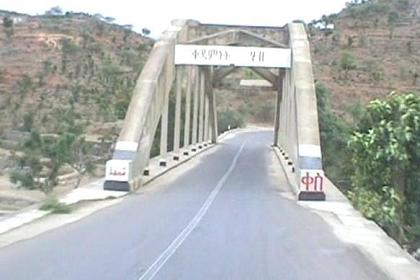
{"x":195,"y":108}
{"x":278,"y":105}
{"x":187,"y":110}
{"x":201,"y":114}
{"x":206,"y":118}
{"x":212,"y":105}
{"x":164,"y":131}
{"x":177,"y":124}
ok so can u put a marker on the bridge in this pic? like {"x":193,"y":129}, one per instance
{"x":188,"y":61}
{"x":238,"y":205}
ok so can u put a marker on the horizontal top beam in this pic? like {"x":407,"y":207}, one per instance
{"x":232,"y":56}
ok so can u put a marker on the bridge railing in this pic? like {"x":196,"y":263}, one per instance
{"x":149,"y":106}
{"x":132,"y":149}
{"x":299,"y":129}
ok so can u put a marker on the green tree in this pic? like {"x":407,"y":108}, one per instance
{"x":386,"y":160}
{"x":8,"y":26}
{"x":325,"y":20}
{"x":28,"y":121}
{"x":42,"y":157}
{"x":347,"y":63}
{"x":392,"y":20}
{"x":334,"y":133}
{"x":25,"y":84}
{"x":229,"y":119}
{"x":72,"y":149}
{"x":145,"y":31}
{"x":54,"y":11}
{"x":30,"y":172}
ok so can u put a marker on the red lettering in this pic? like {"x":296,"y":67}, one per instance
{"x":307,"y":180}
{"x":315,"y":183}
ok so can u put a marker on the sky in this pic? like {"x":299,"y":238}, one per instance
{"x":156,"y":15}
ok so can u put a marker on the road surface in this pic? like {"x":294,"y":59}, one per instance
{"x":224,"y":217}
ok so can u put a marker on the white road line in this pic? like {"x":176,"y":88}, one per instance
{"x":171,"y":249}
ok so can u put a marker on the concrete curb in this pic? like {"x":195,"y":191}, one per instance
{"x":288,"y":173}
{"x":149,"y":179}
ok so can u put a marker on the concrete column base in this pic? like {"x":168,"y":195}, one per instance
{"x":311,"y":196}
{"x":116,"y":186}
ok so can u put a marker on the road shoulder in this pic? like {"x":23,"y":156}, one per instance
{"x":351,"y":227}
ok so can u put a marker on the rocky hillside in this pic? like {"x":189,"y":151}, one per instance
{"x":367,"y":50}
{"x":68,"y":66}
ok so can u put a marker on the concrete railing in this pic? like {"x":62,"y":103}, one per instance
{"x":132,"y":150}
{"x":299,"y":129}
{"x":149,"y":105}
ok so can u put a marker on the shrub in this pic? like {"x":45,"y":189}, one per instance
{"x":385,"y":154}
{"x":55,"y":207}
{"x":229,"y":119}
{"x":25,"y":84}
{"x":347,"y":63}
{"x":334,"y":133}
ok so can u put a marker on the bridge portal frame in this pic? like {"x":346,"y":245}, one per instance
{"x":296,"y":121}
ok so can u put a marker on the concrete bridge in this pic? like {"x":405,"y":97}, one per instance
{"x":188,"y":61}
{"x":227,"y":211}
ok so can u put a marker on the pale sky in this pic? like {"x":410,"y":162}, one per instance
{"x":157,"y":14}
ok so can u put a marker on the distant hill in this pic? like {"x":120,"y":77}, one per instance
{"x":78,"y":64}
{"x":372,"y":49}
{"x":54,"y":66}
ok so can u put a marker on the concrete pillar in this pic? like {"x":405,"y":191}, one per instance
{"x":201,"y":109}
{"x":206,"y":118}
{"x":187,"y":110}
{"x":164,"y":131}
{"x":195,"y":107}
{"x":177,"y":124}
{"x":278,"y":104}
{"x":213,"y":118}
{"x":212,"y":104}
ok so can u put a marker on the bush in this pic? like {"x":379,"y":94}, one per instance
{"x":55,"y":207}
{"x":265,"y":112}
{"x":22,"y":179}
{"x":229,"y":119}
{"x":28,"y":121}
{"x":385,"y":153}
{"x":25,"y":84}
{"x":7,"y":22}
{"x":347,"y":62}
{"x":334,"y":134}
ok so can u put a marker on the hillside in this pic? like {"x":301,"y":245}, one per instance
{"x":53,"y":66}
{"x":372,"y":49}
{"x":60,"y":74}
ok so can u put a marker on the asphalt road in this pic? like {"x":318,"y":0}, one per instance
{"x":223,"y":218}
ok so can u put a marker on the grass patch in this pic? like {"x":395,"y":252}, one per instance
{"x":56,"y":207}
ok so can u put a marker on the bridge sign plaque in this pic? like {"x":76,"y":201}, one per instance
{"x":232,"y":56}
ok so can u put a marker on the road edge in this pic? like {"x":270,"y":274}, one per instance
{"x":377,"y":246}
